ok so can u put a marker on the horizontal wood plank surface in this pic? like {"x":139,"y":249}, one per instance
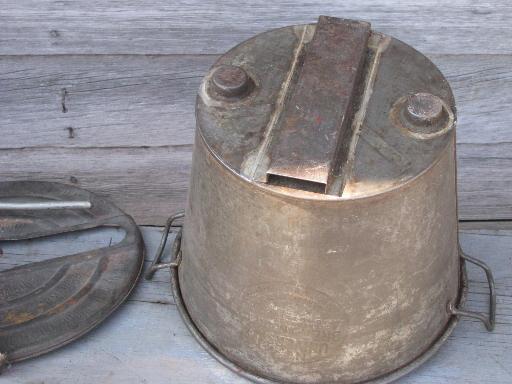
{"x":32,"y":27}
{"x":99,"y":101}
{"x":145,"y":341}
{"x":148,"y":183}
{"x":123,"y":126}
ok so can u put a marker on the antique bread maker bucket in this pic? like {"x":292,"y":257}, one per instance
{"x":320,"y":236}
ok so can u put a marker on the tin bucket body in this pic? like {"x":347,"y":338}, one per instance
{"x":314,"y":291}
{"x":320,"y":236}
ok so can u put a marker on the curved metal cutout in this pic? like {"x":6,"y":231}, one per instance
{"x":47,"y":304}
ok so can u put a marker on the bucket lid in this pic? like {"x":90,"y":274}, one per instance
{"x":47,"y":304}
{"x":331,"y":110}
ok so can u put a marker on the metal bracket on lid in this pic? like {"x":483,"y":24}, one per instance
{"x":312,"y":138}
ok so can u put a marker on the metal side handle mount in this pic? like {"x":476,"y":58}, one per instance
{"x":175,"y":251}
{"x":489,"y":319}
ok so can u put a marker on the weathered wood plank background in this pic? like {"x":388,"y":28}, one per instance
{"x":210,"y":27}
{"x":101,"y":94}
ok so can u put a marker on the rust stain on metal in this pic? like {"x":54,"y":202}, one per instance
{"x":13,"y":318}
{"x":313,"y":136}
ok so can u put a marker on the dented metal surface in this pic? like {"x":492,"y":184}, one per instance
{"x":47,"y":304}
{"x":348,"y":282}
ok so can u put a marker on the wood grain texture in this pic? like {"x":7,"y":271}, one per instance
{"x":149,"y":100}
{"x":483,"y":92}
{"x":193,"y":26}
{"x":145,"y":341}
{"x":99,"y":101}
{"x":148,"y":183}
{"x":128,"y":126}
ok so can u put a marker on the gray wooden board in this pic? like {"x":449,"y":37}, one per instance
{"x":99,"y":101}
{"x":197,"y":26}
{"x":148,"y":183}
{"x":146,"y":342}
{"x":128,"y":127}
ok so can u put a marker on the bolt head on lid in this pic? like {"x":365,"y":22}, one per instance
{"x":424,"y":108}
{"x":230,"y":81}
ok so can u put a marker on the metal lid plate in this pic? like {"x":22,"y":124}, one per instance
{"x":47,"y":304}
{"x":331,"y":110}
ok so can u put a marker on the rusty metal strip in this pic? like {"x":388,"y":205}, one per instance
{"x":314,"y":131}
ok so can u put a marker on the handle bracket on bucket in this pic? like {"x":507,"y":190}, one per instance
{"x":175,"y":252}
{"x":489,"y":319}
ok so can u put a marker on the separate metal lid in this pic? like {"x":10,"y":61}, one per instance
{"x":47,"y":304}
{"x":329,"y":110}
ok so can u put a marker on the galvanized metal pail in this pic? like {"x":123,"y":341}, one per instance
{"x":320,"y":237}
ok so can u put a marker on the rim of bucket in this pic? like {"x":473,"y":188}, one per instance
{"x":383,"y":379}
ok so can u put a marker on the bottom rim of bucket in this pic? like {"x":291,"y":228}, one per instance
{"x":383,"y":379}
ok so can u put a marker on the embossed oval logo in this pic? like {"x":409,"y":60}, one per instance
{"x":291,"y":323}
